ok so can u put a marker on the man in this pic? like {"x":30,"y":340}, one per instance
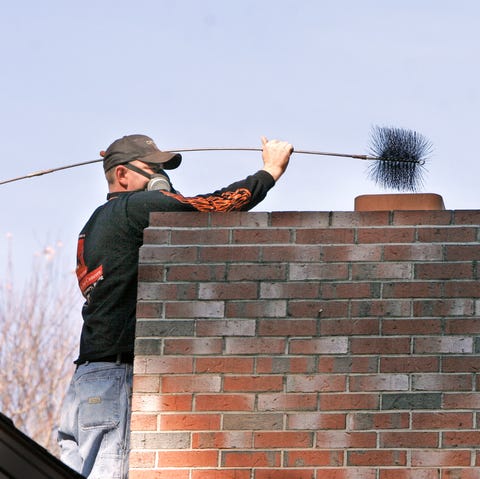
{"x":94,"y":429}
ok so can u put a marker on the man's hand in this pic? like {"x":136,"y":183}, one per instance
{"x":276,"y":155}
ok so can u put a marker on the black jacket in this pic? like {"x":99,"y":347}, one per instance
{"x":107,"y":257}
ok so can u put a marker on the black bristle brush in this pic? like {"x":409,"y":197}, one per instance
{"x":398,"y":157}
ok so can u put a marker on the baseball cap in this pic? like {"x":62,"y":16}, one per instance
{"x":138,"y":147}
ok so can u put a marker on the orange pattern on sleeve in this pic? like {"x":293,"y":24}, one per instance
{"x":227,"y":201}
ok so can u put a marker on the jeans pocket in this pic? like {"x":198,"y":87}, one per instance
{"x":99,"y":399}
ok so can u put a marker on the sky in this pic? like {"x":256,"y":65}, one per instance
{"x":317,"y":73}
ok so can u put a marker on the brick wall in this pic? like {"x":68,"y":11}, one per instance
{"x":308,"y":345}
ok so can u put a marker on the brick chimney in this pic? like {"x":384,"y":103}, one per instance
{"x":308,"y":345}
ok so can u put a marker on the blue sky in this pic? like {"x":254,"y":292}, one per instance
{"x":320,"y":74}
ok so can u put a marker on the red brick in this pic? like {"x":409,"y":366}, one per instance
{"x":412,"y":289}
{"x":386,"y":235}
{"x":195,"y":272}
{"x":316,"y":420}
{"x":350,"y":327}
{"x":350,"y":401}
{"x":351,"y":290}
{"x":345,"y":440}
{"x":224,"y":402}
{"x":440,"y":458}
{"x":314,"y":458}
{"x":185,"y":219}
{"x":441,"y":382}
{"x":287,"y":327}
{"x":163,"y":365}
{"x":201,"y":458}
{"x":365,"y":252}
{"x":462,"y":326}
{"x":287,"y":402}
{"x":381,"y":307}
{"x":282,"y":439}
{"x":458,"y":344}
{"x":239,"y":219}
{"x":447,"y":271}
{"x":409,"y":364}
{"x":379,"y":382}
{"x":224,"y":365}
{"x":144,"y":422}
{"x":314,"y":309}
{"x":291,"y":253}
{"x":253,"y":383}
{"x":193,"y":346}
{"x":327,"y":345}
{"x":319,"y":271}
{"x":376,"y":458}
{"x":311,"y":219}
{"x":222,"y":327}
{"x":462,"y":289}
{"x":257,"y":345}
{"x":255,"y":309}
{"x":289,"y":290}
{"x":442,"y":420}
{"x":285,"y":364}
{"x":413,"y":252}
{"x":451,"y":439}
{"x":159,"y":474}
{"x":235,"y":253}
{"x":364,"y":218}
{"x":324,"y":236}
{"x":447,"y":234}
{"x":385,"y":270}
{"x":195,"y":309}
{"x":142,"y":459}
{"x":191,"y":383}
{"x":466,"y":217}
{"x":151,"y":272}
{"x":261,"y":236}
{"x":443,"y":307}
{"x":457,"y":364}
{"x":152,"y":309}
{"x":199,"y":236}
{"x":464,"y":473}
{"x":422,"y":217}
{"x":348,"y":364}
{"x":461,"y":400}
{"x":230,"y":290}
{"x":222,"y":440}
{"x":189,"y":422}
{"x":346,"y":473}
{"x":381,"y":346}
{"x":284,"y":474}
{"x":146,"y":384}
{"x":408,"y":473}
{"x":377,"y":420}
{"x":161,"y":402}
{"x":462,"y":252}
{"x":167,"y":254}
{"x":256,"y":272}
{"x":250,"y":458}
{"x":411,"y":326}
{"x":409,"y":439}
{"x":220,"y":474}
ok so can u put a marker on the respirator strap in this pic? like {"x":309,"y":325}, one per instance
{"x":138,"y":170}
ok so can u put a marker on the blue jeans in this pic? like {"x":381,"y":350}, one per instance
{"x":94,"y":431}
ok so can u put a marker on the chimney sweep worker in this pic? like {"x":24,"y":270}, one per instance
{"x":94,"y":427}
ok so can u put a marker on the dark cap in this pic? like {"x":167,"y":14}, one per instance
{"x":138,"y":147}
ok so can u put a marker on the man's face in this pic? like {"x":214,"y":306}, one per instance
{"x":136,"y":181}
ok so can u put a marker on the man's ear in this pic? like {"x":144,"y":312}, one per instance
{"x":121,"y":176}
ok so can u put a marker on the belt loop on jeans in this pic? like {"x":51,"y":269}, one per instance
{"x":119,"y":359}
